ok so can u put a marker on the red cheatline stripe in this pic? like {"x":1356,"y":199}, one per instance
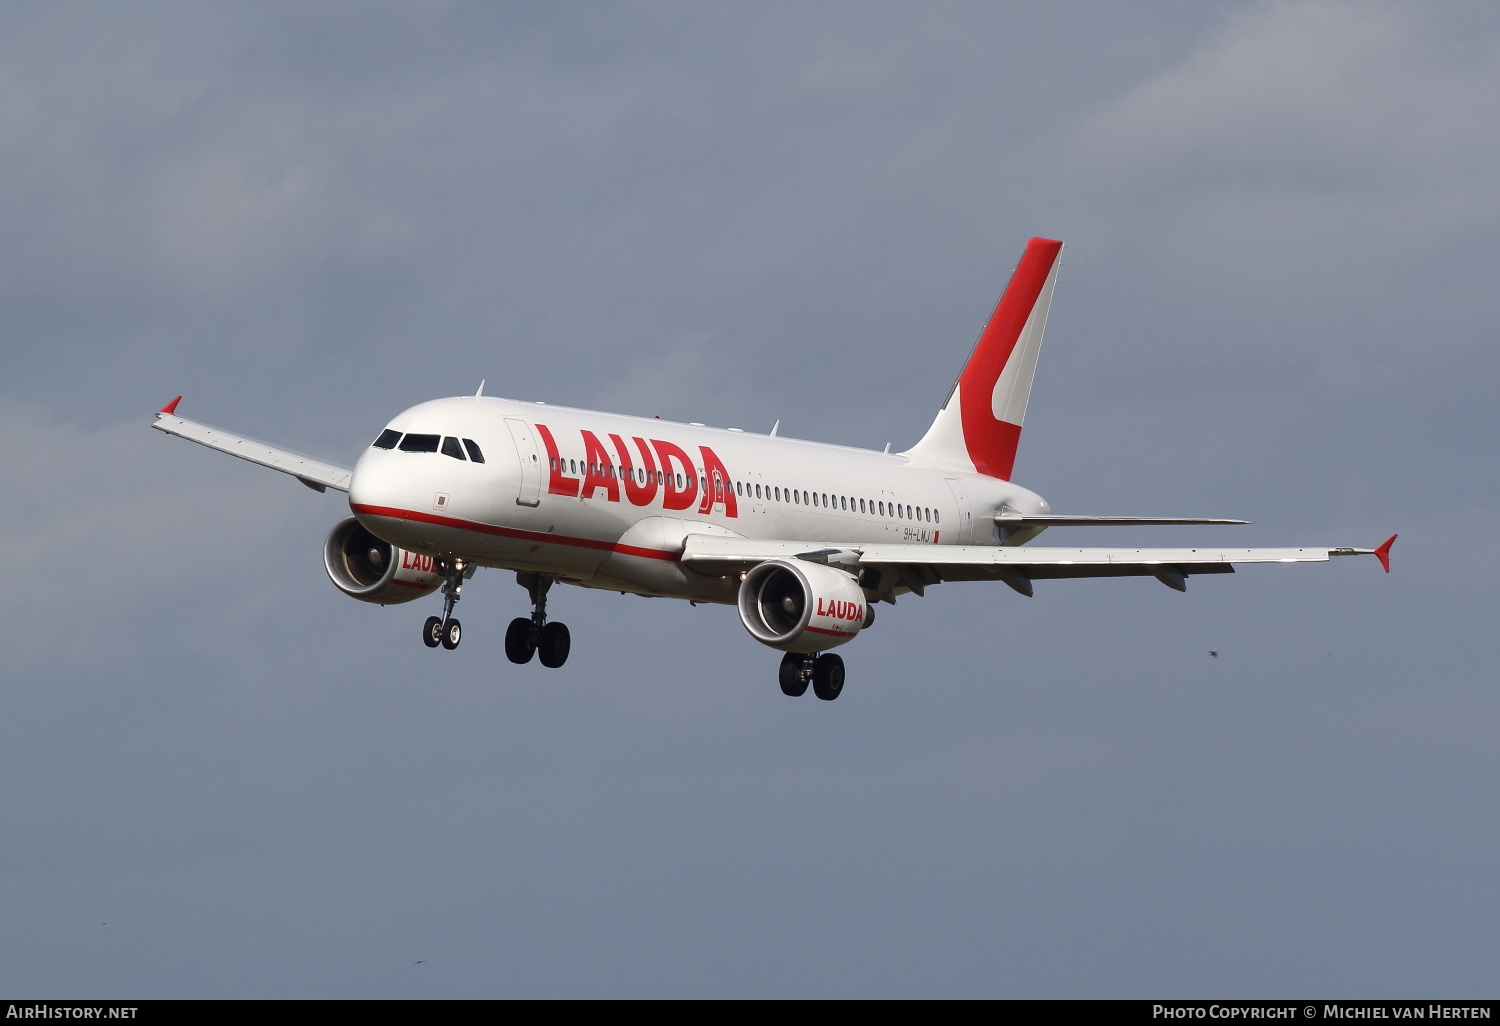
{"x":511,"y":532}
{"x":824,"y":630}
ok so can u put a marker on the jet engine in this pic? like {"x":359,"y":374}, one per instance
{"x":798,"y":606}
{"x":364,"y":567}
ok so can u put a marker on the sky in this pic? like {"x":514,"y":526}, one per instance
{"x":219,"y":777}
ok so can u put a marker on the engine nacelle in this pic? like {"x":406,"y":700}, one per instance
{"x":364,"y":567}
{"x":798,"y":606}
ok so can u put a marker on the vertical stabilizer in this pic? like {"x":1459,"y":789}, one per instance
{"x":979,"y":426}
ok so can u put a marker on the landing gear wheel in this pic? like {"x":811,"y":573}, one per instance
{"x":828,"y":677}
{"x":553,"y":645}
{"x":453,"y":633}
{"x":793,"y":684}
{"x":519,"y":647}
{"x":432,"y":632}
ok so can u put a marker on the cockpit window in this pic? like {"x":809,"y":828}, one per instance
{"x":419,"y":443}
{"x":452,"y":448}
{"x":387,"y":439}
{"x":474,"y":453}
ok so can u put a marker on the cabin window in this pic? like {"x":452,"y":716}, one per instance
{"x":908,"y":513}
{"x":574,"y":465}
{"x":420,"y":443}
{"x":757,"y":491}
{"x":737,"y":489}
{"x":843,"y":504}
{"x":937,"y":517}
{"x":861,"y":505}
{"x":387,"y":439}
{"x":451,"y":447}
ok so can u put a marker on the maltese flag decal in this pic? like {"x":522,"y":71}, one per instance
{"x":979,"y":427}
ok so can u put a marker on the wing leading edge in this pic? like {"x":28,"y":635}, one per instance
{"x":316,"y":474}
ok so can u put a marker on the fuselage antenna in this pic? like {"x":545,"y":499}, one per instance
{"x":774,"y":427}
{"x":479,"y":391}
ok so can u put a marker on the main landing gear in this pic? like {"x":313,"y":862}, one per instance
{"x":526,"y":637}
{"x":825,"y":672}
{"x":445,"y":630}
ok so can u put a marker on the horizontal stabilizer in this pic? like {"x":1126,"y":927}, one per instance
{"x":316,"y":474}
{"x":1010,"y":519}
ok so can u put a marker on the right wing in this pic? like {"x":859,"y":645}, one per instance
{"x":917,"y":566}
{"x":316,"y":474}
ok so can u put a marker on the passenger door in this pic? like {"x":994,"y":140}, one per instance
{"x":530,"y":492}
{"x":965,"y":532}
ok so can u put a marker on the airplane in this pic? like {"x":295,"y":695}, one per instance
{"x":804,"y":538}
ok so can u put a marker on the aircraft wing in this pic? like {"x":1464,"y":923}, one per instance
{"x":316,"y":474}
{"x":917,"y":566}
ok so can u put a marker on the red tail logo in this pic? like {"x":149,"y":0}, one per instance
{"x":996,"y":382}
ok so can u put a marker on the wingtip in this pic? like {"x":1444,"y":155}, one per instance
{"x":1383,"y":553}
{"x":171,"y":407}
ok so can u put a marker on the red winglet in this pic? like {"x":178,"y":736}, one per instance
{"x":171,"y":407}
{"x":1384,"y":553}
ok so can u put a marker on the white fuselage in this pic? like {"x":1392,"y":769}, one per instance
{"x":605,"y":501}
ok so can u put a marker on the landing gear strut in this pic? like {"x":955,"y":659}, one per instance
{"x":525,"y":637}
{"x":445,"y":630}
{"x":825,"y":672}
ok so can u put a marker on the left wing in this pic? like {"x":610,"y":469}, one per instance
{"x":316,"y":474}
{"x":917,"y":566}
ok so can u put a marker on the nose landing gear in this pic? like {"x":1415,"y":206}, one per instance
{"x":445,"y":630}
{"x":528,"y":636}
{"x":825,"y":672}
